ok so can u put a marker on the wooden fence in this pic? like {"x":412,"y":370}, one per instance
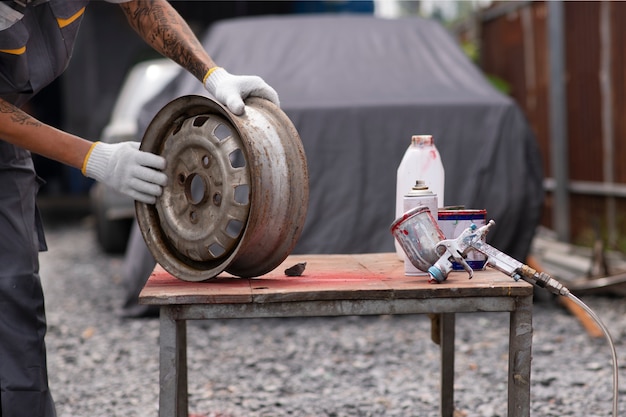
{"x":517,"y":45}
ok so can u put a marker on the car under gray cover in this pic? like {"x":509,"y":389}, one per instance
{"x":357,"y":88}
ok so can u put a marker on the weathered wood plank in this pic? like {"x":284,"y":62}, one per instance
{"x":329,"y":277}
{"x":487,"y":283}
{"x":164,"y":289}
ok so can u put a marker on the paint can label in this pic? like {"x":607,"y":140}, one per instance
{"x":453,"y":222}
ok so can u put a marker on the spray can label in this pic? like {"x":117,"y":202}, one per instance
{"x":418,"y":195}
{"x":453,"y":222}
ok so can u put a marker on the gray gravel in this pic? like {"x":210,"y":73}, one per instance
{"x":103,"y":365}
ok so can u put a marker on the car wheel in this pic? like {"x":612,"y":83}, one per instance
{"x":111,"y":234}
{"x":238,"y":190}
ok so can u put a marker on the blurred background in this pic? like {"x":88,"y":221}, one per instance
{"x":561,"y":62}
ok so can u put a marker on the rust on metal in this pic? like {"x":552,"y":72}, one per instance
{"x":238,"y":191}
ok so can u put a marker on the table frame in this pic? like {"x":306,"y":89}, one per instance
{"x":173,"y":393}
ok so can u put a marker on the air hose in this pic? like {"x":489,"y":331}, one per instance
{"x":595,"y":317}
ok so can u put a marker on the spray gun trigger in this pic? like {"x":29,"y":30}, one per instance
{"x":466,"y":266}
{"x":452,"y":247}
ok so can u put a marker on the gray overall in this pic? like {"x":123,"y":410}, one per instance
{"x":36,"y":43}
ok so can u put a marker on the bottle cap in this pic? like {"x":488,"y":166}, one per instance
{"x":422,"y":139}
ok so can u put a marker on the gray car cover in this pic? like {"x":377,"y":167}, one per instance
{"x":357,"y":88}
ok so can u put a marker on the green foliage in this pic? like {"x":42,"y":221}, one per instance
{"x":470,"y":48}
{"x":500,"y":84}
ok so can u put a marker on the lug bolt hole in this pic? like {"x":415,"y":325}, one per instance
{"x":217,"y":199}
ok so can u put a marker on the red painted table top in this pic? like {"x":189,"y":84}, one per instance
{"x":328,"y":277}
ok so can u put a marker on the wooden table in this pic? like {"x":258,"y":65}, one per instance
{"x":341,"y":285}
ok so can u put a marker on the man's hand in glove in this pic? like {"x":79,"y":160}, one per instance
{"x":231,"y":90}
{"x":125,"y":168}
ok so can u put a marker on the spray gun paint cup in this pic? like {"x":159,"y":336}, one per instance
{"x":418,"y":234}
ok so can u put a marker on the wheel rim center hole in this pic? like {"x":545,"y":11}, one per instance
{"x":195,"y":189}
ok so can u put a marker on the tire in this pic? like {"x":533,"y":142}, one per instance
{"x":111,"y":234}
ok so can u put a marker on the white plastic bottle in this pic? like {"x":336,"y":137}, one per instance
{"x":420,"y":161}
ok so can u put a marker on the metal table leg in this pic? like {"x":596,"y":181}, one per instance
{"x":172,"y":365}
{"x":173,"y":394}
{"x":520,"y":345}
{"x":447,"y":322}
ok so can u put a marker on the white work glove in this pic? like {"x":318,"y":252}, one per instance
{"x":231,"y":90}
{"x":125,"y":168}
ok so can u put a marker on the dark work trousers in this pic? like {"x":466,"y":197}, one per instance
{"x":23,"y":371}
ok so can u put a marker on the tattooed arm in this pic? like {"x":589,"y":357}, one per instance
{"x":121,"y":166}
{"x":163,"y":28}
{"x":20,"y":129}
{"x":160,"y":25}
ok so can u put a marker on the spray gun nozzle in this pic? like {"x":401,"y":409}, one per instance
{"x":436,"y":276}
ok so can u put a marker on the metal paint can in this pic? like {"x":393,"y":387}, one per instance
{"x":453,"y":222}
{"x":418,"y":195}
{"x":418,"y":234}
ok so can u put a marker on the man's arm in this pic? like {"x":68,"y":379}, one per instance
{"x":23,"y":130}
{"x":160,"y":25}
{"x":122,"y":165}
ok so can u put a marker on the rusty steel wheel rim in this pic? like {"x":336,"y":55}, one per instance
{"x":237,"y":194}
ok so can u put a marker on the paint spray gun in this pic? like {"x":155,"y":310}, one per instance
{"x":473,"y":238}
{"x":427,"y":248}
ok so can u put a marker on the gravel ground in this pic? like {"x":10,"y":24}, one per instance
{"x":103,"y":365}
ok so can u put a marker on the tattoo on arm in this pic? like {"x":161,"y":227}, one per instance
{"x":162,"y":27}
{"x":17,"y":115}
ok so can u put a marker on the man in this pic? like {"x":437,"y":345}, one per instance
{"x":36,"y":41}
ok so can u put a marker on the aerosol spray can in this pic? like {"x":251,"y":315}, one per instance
{"x":421,"y":160}
{"x":418,"y":195}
